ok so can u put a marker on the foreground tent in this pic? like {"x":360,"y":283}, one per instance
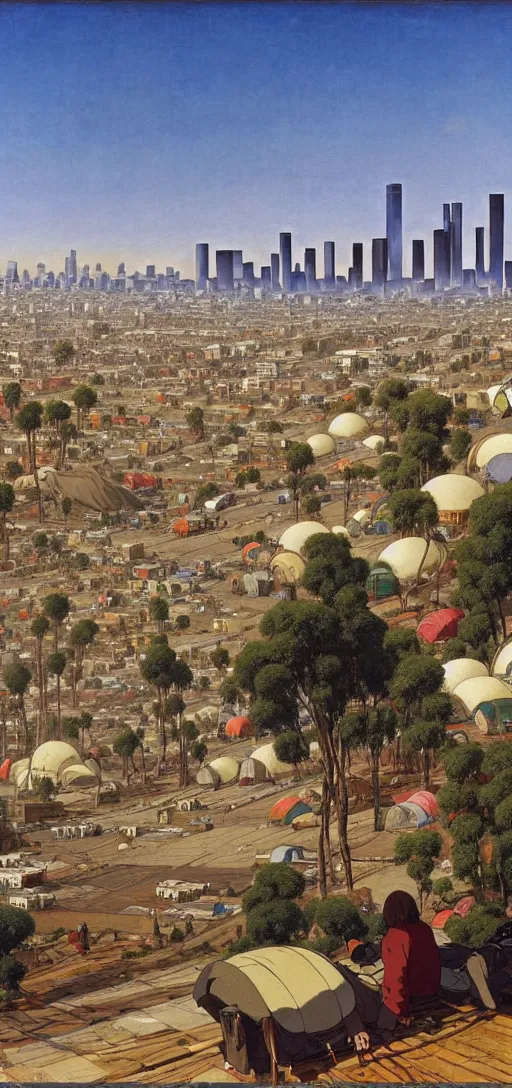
{"x":291,"y":1004}
{"x":405,"y":815}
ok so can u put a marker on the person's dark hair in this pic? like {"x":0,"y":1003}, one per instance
{"x":400,"y":909}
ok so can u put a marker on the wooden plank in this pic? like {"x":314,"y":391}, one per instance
{"x":477,"y":1053}
{"x":444,"y":1071}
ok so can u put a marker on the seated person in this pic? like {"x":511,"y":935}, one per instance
{"x":410,"y":955}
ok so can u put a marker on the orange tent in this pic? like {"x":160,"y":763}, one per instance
{"x":239,"y":727}
{"x":281,"y":807}
{"x":4,"y":770}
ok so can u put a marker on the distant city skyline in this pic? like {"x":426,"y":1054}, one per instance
{"x":132,"y":130}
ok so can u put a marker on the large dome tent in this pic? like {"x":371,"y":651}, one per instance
{"x":322,"y":444}
{"x":294,"y":538}
{"x":265,"y":754}
{"x":502,"y":660}
{"x":480,"y":689}
{"x":481,"y":453}
{"x":220,"y":772}
{"x":406,"y":815}
{"x":239,"y":727}
{"x":405,"y":557}
{"x":453,"y":496}
{"x":459,"y":669}
{"x":348,"y":425}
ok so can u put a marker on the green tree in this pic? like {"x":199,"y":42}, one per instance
{"x":195,"y":420}
{"x":159,"y":612}
{"x":29,"y":420}
{"x":39,"y":628}
{"x":204,"y":493}
{"x":461,"y":417}
{"x":484,"y":559}
{"x":7,"y":497}
{"x":274,"y":427}
{"x":279,"y":922}
{"x":220,"y":658}
{"x":420,"y":850}
{"x":198,"y":751}
{"x":460,"y":445}
{"x":63,"y":352}
{"x":299,"y":458}
{"x":182,"y":623}
{"x":56,"y":608}
{"x":291,"y":747}
{"x":331,"y":565}
{"x":55,"y":665}
{"x":311,"y":505}
{"x":125,"y":745}
{"x":363,"y":396}
{"x":11,"y":393}
{"x":97,"y":379}
{"x":46,"y":788}
{"x":16,"y":926}
{"x":253,"y":475}
{"x":84,"y":398}
{"x":17,"y":679}
{"x":58,"y":414}
{"x":13,"y":470}
{"x":390,"y":392}
{"x":166,"y":672}
{"x":240,"y":480}
{"x":339,"y":918}
{"x":66,"y":507}
{"x":82,"y":636}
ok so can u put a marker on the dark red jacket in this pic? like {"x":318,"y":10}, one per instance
{"x":412,"y":966}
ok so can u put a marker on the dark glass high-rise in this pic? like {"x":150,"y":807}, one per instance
{"x":285,"y":252}
{"x":329,"y":264}
{"x":224,"y":262}
{"x":418,"y":259}
{"x":394,"y":230}
{"x":379,"y":264}
{"x":441,"y":259}
{"x":357,"y":264}
{"x":202,"y":265}
{"x":274,"y":271}
{"x":310,"y":268}
{"x":480,"y":254}
{"x":456,"y":246}
{"x":496,"y":237}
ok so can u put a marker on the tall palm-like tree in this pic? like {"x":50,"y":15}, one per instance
{"x":55,"y":665}
{"x":17,"y":679}
{"x":40,"y":627}
{"x":56,"y":609}
{"x":29,"y":421}
{"x":6,"y":504}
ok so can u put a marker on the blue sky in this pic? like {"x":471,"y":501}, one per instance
{"x":132,"y":131}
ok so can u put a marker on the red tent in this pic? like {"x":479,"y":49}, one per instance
{"x":440,"y":626}
{"x":4,"y":770}
{"x":239,"y":727}
{"x":401,"y":798}
{"x":426,"y":801}
{"x":464,"y":905}
{"x":441,"y":919}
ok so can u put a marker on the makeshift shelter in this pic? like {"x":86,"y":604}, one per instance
{"x":295,"y":537}
{"x":480,"y":689}
{"x":453,"y":495}
{"x":406,"y":557}
{"x":322,"y":444}
{"x":441,"y":625}
{"x":239,"y":727}
{"x":266,"y":755}
{"x":287,"y":809}
{"x":499,"y":468}
{"x":86,"y":486}
{"x":381,"y":582}
{"x":406,"y":815}
{"x":494,"y":718}
{"x":426,"y":801}
{"x":277,"y":1006}
{"x":348,"y":425}
{"x":287,"y":853}
{"x":252,"y":771}
{"x":373,"y":442}
{"x":483,"y":451}
{"x":78,"y":776}
{"x":250,"y":553}
{"x":5,"y":769}
{"x":220,"y":772}
{"x":502,"y":661}
{"x":19,"y":773}
{"x":287,"y":568}
{"x":461,"y":668}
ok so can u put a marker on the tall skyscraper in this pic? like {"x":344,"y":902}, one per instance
{"x":266,"y":278}
{"x":225,"y":278}
{"x":150,"y":271}
{"x":441,"y":259}
{"x":12,"y":272}
{"x":238,"y":264}
{"x":508,"y":275}
{"x":379,"y":264}
{"x":329,"y":263}
{"x":446,"y":218}
{"x":394,"y":230}
{"x":121,"y":269}
{"x":274,"y":271}
{"x":70,"y":269}
{"x":357,"y":264}
{"x":248,"y":276}
{"x":418,"y":259}
{"x":285,"y":252}
{"x":456,"y":246}
{"x":202,"y":265}
{"x":310,"y":268}
{"x":496,"y":227}
{"x":480,"y":254}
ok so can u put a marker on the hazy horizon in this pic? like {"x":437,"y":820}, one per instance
{"x":133,"y":131}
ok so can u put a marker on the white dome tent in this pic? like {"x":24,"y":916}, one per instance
{"x":322,"y":444}
{"x":405,"y":557}
{"x":453,"y":496}
{"x":295,"y":537}
{"x":460,"y":669}
{"x":348,"y":425}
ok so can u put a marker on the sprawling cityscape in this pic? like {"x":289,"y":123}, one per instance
{"x":233,"y":275}
{"x":255,"y":545}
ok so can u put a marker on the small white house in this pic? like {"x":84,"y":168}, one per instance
{"x":180,"y":891}
{"x":73,"y":831}
{"x":32,"y":900}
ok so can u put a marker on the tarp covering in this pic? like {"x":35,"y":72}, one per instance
{"x":88,"y":487}
{"x":499,"y":468}
{"x":406,"y":815}
{"x":440,"y":626}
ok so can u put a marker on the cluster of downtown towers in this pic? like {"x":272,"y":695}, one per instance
{"x":387,"y":258}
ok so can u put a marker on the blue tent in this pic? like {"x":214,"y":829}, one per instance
{"x":499,"y":468}
{"x":287,"y":853}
